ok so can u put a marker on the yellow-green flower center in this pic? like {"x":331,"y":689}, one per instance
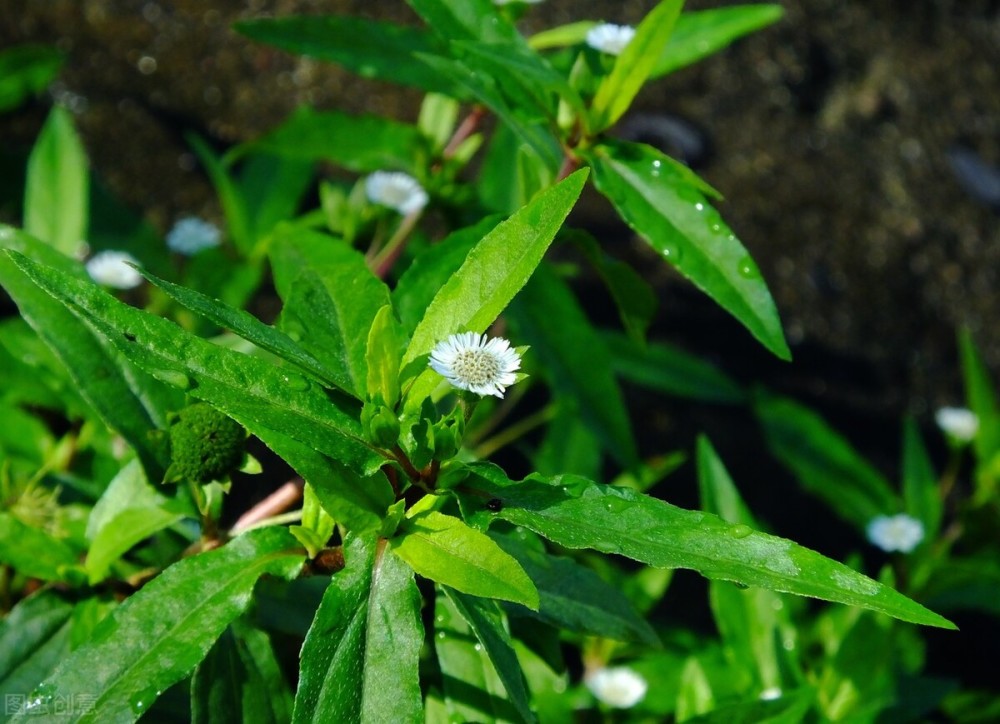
{"x":476,"y":367}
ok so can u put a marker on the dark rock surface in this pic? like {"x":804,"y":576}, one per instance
{"x":829,"y":133}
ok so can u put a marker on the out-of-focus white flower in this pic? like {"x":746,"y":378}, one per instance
{"x":476,"y":363}
{"x":770,"y":693}
{"x":191,"y":235}
{"x":899,"y":532}
{"x":620,"y":686}
{"x":958,"y":423}
{"x":111,"y":269}
{"x":610,"y":38}
{"x":396,"y":190}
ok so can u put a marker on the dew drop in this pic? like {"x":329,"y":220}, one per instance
{"x":748,"y":268}
{"x":740,"y":531}
{"x":141,"y":701}
{"x":672,"y":253}
{"x":656,"y":167}
{"x":740,"y":585}
{"x":294,"y":382}
{"x":39,"y":699}
{"x":175,"y":378}
{"x":699,"y":206}
{"x":478,"y":647}
{"x":440,"y":635}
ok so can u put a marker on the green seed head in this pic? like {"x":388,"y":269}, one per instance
{"x":205,"y":445}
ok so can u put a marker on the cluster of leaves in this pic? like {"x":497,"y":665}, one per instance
{"x":143,"y":591}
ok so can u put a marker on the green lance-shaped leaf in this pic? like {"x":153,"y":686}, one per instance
{"x":358,"y":143}
{"x":330,"y":301}
{"x":921,"y":496}
{"x":159,"y":634}
{"x":356,"y":502}
{"x":360,"y":658}
{"x":34,"y":638}
{"x":246,"y":326}
{"x":385,"y":349}
{"x":128,"y":401}
{"x":574,"y":598}
{"x":129,"y":511}
{"x":665,"y":368}
{"x":489,"y":625}
{"x":431,"y":270}
{"x":705,"y":32}
{"x":633,"y":67}
{"x":56,"y":196}
{"x":240,"y":680}
{"x":824,"y":462}
{"x":34,"y":553}
{"x":259,"y":395}
{"x":982,"y":399}
{"x":370,"y":48}
{"x":466,"y":20}
{"x":444,"y":549}
{"x":747,"y":619}
{"x":578,"y":513}
{"x":234,"y":204}
{"x":493,"y":272}
{"x":552,"y":322}
{"x":473,"y":689}
{"x":657,"y":197}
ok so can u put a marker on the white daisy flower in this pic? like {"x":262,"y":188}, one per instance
{"x":191,"y":235}
{"x":476,"y":363}
{"x":899,"y":532}
{"x":396,"y":190}
{"x":610,"y":38}
{"x":111,"y":269}
{"x":620,"y":687}
{"x":958,"y":423}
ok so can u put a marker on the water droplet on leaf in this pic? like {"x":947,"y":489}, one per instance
{"x":175,"y":378}
{"x":294,"y":382}
{"x":740,"y":531}
{"x":748,"y":268}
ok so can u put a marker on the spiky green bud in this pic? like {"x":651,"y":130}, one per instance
{"x":205,"y":445}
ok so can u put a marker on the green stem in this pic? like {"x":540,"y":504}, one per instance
{"x":383,"y":261}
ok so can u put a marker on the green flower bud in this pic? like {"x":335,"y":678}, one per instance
{"x":205,"y":445}
{"x":380,"y":424}
{"x":448,"y":433}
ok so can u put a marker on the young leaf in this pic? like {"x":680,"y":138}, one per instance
{"x":231,"y":685}
{"x":823,"y":461}
{"x":473,"y":689}
{"x":574,"y":598}
{"x":234,"y":204}
{"x":661,"y":204}
{"x":129,"y":511}
{"x":444,"y":549}
{"x":273,"y":187}
{"x":385,"y":349}
{"x":489,"y":625}
{"x":358,"y":143}
{"x":558,"y":337}
{"x":257,"y":394}
{"x":494,"y":271}
{"x":370,"y":48}
{"x":158,"y":635}
{"x":330,"y":301}
{"x":360,"y":657}
{"x":577,"y":513}
{"x":466,"y":20}
{"x":246,"y":326}
{"x":632,"y":68}
{"x":703,"y":33}
{"x":129,"y":402}
{"x":665,"y":368}
{"x":56,"y":195}
{"x":921,"y":496}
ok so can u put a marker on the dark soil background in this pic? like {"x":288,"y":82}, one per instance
{"x":857,"y":143}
